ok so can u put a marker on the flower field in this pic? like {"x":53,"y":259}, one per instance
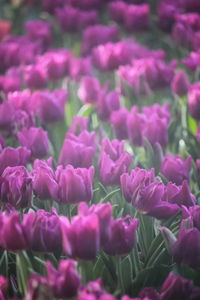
{"x":100,"y":149}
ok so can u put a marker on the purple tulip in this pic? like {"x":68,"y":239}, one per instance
{"x":36,"y":140}
{"x":180,"y":195}
{"x":35,"y":76}
{"x":78,"y":125}
{"x":86,"y":4}
{"x":97,"y":35}
{"x":192,"y":62}
{"x":37,"y":287}
{"x":149,"y":293}
{"x":103,"y":212}
{"x":135,"y":125}
{"x":118,"y":120}
{"x":20,"y":99}
{"x":175,"y":169}
{"x":44,"y":181}
{"x":194,"y":101}
{"x":89,"y":89}
{"x":107,"y":103}
{"x":177,"y":287}
{"x":117,"y":10}
{"x":136,"y":17}
{"x":79,"y":67}
{"x":74,"y":185}
{"x":81,"y":237}
{"x":3,"y":287}
{"x":43,"y":230}
{"x":39,"y":31}
{"x":180,"y":83}
{"x":16,"y":187}
{"x":49,"y":105}
{"x":13,"y":233}
{"x":94,"y":291}
{"x":65,"y":281}
{"x":162,"y":111}
{"x":11,"y":157}
{"x":78,"y":150}
{"x":167,"y":12}
{"x":122,"y":236}
{"x":113,"y":161}
{"x":132,"y":184}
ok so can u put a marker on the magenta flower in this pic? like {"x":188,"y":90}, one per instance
{"x":78,"y":150}
{"x":65,"y":281}
{"x":35,"y":76}
{"x":194,"y":101}
{"x":11,"y":157}
{"x":81,"y":237}
{"x":97,"y":35}
{"x":107,"y":103}
{"x":89,"y":89}
{"x":13,"y":233}
{"x":45,"y":185}
{"x":113,"y":161}
{"x":175,"y":169}
{"x":118,"y":120}
{"x":74,"y":185}
{"x":103,"y":212}
{"x":39,"y":31}
{"x":16,"y":187}
{"x":49,"y":105}
{"x":43,"y":231}
{"x":79,"y":67}
{"x":36,"y":140}
{"x":122,"y":236}
{"x":180,"y":83}
{"x":135,"y":125}
{"x":137,"y":17}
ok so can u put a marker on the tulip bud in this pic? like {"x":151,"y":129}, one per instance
{"x":180,"y":83}
{"x":119,"y":122}
{"x":89,"y":89}
{"x":65,"y":281}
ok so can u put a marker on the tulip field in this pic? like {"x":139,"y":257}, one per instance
{"x":100,"y":149}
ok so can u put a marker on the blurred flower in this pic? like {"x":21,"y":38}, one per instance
{"x":118,"y":120}
{"x":39,"y":31}
{"x":35,"y":76}
{"x":194,"y":101}
{"x":79,"y":67}
{"x":89,"y":89}
{"x":36,"y":140}
{"x":107,"y":103}
{"x":37,"y":287}
{"x":180,"y":83}
{"x":113,"y":161}
{"x":65,"y":281}
{"x":136,"y":17}
{"x":78,"y":150}
{"x":5,"y":27}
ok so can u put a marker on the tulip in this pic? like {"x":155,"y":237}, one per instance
{"x":13,"y":233}
{"x":180,"y":83}
{"x":39,"y":31}
{"x":79,"y":67}
{"x":118,"y":120}
{"x":94,"y":291}
{"x":49,"y":105}
{"x":117,"y":10}
{"x":103,"y":212}
{"x":136,"y":17}
{"x":177,"y":287}
{"x":74,"y":185}
{"x":43,"y":230}
{"x":36,"y":140}
{"x":97,"y":35}
{"x":65,"y":281}
{"x":78,"y":150}
{"x":44,"y":181}
{"x":175,"y":169}
{"x":11,"y":157}
{"x":37,"y":287}
{"x":89,"y":89}
{"x":132,"y":184}
{"x":81,"y":237}
{"x":194,"y":101}
{"x":113,"y":162}
{"x":78,"y":125}
{"x":107,"y":103}
{"x":122,"y":236}
{"x":16,"y":187}
{"x":135,"y":124}
{"x":35,"y":76}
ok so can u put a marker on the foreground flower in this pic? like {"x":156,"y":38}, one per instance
{"x":65,"y":281}
{"x":81,"y":237}
{"x":122,"y":236}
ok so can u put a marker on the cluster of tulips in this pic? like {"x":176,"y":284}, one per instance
{"x":100,"y":150}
